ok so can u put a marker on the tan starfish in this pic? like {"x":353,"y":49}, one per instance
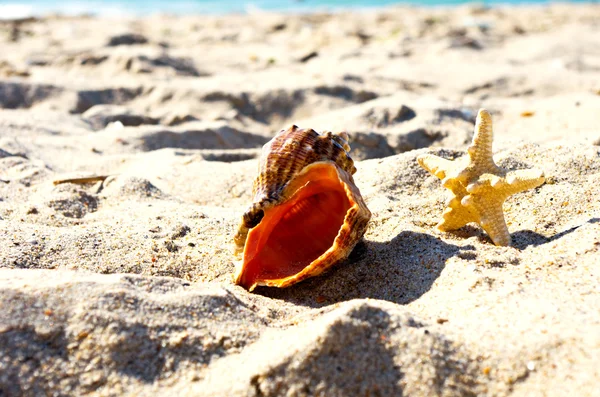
{"x":479,"y":187}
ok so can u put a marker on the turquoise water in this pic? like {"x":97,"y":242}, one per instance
{"x":13,"y":9}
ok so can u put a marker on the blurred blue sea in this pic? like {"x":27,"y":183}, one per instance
{"x":19,"y":9}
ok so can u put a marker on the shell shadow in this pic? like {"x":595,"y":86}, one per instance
{"x":525,"y":238}
{"x":400,"y":271}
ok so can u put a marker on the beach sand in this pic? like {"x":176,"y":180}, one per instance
{"x":123,"y":285}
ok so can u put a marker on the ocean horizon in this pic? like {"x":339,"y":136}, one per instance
{"x":23,"y":9}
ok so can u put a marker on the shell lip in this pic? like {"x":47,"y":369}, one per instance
{"x":338,"y":250}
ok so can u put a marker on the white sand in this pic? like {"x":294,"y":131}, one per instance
{"x":123,"y":287}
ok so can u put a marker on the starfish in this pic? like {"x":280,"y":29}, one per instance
{"x":479,"y":187}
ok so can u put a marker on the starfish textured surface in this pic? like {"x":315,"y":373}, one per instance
{"x":479,"y":187}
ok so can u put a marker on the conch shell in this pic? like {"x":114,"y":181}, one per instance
{"x":307,"y":213}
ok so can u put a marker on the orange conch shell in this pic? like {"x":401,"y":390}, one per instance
{"x":307,"y":213}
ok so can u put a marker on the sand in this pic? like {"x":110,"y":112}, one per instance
{"x":122,"y":286}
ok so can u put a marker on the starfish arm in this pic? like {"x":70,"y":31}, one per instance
{"x":480,"y":151}
{"x":495,"y":226}
{"x":492,"y":217}
{"x":454,"y":218}
{"x":435,"y":165}
{"x":518,"y":181}
{"x":514,"y":182}
{"x":455,"y":215}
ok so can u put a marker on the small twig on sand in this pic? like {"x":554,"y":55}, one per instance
{"x":82,"y":181}
{"x":2,"y":180}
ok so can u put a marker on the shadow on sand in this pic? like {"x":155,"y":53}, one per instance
{"x":524,"y":238}
{"x":399,"y":271}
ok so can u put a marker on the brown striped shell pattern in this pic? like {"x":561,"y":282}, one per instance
{"x":307,"y":214}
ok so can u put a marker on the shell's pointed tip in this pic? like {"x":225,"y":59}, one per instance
{"x":237,"y":273}
{"x":239,"y":279}
{"x":343,"y":139}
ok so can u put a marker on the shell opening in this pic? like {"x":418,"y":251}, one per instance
{"x":295,"y":233}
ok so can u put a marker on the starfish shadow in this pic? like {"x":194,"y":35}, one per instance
{"x":524,"y":238}
{"x":400,"y":271}
{"x":471,"y":231}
